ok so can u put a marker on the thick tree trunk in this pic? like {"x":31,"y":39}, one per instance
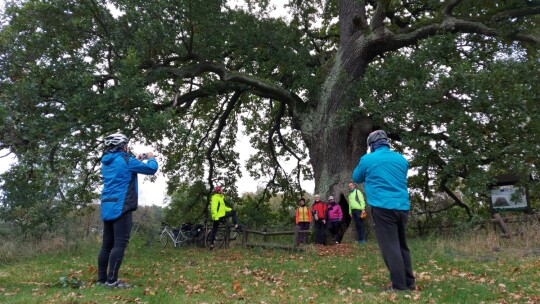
{"x":334,"y":134}
{"x":336,"y":141}
{"x":335,"y":146}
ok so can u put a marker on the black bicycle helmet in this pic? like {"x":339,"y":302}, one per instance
{"x":376,"y":135}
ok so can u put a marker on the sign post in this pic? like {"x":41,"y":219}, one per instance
{"x":506,"y":196}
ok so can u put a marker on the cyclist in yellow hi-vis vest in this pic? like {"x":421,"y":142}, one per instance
{"x":357,"y":207}
{"x":220,"y":212}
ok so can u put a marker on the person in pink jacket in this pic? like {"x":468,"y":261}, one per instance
{"x":335,"y":215}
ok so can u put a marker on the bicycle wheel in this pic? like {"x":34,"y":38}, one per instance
{"x":181,"y":239}
{"x":163,"y":239}
{"x":219,"y":240}
{"x":234,"y":236}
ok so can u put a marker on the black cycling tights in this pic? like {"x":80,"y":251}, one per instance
{"x":215,"y":226}
{"x":115,"y":241}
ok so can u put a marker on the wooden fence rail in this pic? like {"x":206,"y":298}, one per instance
{"x":267,"y":234}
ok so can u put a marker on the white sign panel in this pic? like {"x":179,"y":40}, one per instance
{"x":503,"y":198}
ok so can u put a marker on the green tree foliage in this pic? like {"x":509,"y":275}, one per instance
{"x":465,"y":114}
{"x":188,"y":204}
{"x":253,"y":212}
{"x":191,"y":76}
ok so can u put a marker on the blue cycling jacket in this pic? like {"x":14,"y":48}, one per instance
{"x":384,"y":174}
{"x":119,"y":194}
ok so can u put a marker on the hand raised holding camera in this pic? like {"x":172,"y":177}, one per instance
{"x":145,"y":156}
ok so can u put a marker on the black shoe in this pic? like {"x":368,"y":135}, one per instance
{"x":390,"y":288}
{"x":411,"y":287}
{"x":239,"y":228}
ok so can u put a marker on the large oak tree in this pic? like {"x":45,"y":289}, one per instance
{"x":454,"y":82}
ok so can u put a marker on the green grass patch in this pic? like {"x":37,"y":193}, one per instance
{"x":346,"y":273}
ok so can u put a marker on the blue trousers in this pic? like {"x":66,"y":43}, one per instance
{"x":359,"y":225}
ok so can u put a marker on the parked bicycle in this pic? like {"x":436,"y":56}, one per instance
{"x":185,"y":234}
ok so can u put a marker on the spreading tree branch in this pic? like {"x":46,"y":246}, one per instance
{"x":228,"y":76}
{"x":217,"y":135}
{"x":379,"y":42}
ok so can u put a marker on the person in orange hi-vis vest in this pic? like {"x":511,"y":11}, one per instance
{"x":303,"y":218}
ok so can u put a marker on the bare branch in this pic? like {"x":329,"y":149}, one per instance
{"x":282,"y":141}
{"x":275,"y":128}
{"x":7,"y":154}
{"x":217,"y":135}
{"x":457,"y":201}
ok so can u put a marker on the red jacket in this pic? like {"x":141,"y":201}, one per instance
{"x":320,"y":207}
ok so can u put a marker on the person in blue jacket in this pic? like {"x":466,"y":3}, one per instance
{"x":384,"y":174}
{"x":119,"y":199}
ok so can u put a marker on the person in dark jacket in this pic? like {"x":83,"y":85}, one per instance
{"x":384,"y":174}
{"x":119,"y":199}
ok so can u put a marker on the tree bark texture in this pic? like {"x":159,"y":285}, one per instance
{"x":336,"y":142}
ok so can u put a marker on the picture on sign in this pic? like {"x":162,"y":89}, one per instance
{"x":504,"y":198}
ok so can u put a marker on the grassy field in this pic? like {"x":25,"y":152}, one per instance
{"x":480,"y":269}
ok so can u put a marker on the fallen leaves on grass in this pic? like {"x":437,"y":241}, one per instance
{"x":9,"y":294}
{"x":149,"y":292}
{"x":335,"y":251}
{"x":70,"y":281}
{"x":191,"y":289}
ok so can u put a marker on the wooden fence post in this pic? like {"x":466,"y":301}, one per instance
{"x":227,"y":234}
{"x":497,"y":219}
{"x":244,"y":237}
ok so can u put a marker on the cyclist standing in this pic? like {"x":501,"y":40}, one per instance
{"x":357,"y":207}
{"x":220,"y":212}
{"x":384,"y":174}
{"x":118,"y":201}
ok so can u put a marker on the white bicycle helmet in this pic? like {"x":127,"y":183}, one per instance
{"x":116,"y":139}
